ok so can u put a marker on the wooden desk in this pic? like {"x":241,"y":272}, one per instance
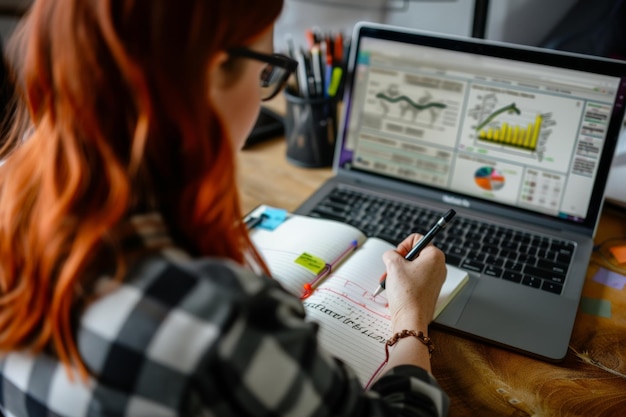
{"x":267,"y":177}
{"x":483,"y":380}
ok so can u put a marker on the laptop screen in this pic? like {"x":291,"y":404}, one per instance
{"x":515,"y":126}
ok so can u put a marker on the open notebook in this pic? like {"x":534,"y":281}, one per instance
{"x":354,"y":326}
{"x":518,"y":140}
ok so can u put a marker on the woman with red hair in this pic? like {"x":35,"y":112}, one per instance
{"x":128,"y":283}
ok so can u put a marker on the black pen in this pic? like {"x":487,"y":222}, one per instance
{"x":253,"y":222}
{"x":421,"y":244}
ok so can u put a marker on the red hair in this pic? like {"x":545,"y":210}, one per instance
{"x":113,"y":91}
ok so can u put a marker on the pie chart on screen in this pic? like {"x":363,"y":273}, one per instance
{"x":489,"y":179}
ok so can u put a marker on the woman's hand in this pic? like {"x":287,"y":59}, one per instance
{"x":413,"y":286}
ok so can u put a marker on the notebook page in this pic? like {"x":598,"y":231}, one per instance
{"x":324,"y":239}
{"x":354,"y":326}
{"x":456,"y":279}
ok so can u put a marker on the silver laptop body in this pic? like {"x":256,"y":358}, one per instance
{"x":504,"y":134}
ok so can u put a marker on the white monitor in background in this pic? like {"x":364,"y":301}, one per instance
{"x":616,"y":186}
{"x":454,"y":17}
{"x":334,"y":16}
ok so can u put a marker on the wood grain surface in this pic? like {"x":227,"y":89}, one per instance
{"x":484,"y":380}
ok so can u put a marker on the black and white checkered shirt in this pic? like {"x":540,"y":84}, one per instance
{"x":203,"y":337}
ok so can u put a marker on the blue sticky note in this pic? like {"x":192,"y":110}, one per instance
{"x":596,"y":307}
{"x":610,"y":279}
{"x":273,"y":218}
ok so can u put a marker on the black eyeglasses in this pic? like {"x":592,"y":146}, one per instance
{"x":275,"y":74}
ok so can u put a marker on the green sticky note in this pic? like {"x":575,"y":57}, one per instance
{"x":596,"y":307}
{"x":310,"y":262}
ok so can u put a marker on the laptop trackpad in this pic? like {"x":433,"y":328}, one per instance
{"x":453,"y":311}
{"x":514,"y":315}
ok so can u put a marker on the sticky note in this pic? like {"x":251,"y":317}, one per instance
{"x":596,"y":307}
{"x":619,"y":252}
{"x":273,"y":218}
{"x":610,"y":279}
{"x":310,"y":262}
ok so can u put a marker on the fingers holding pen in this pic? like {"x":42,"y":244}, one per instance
{"x":429,"y":257}
{"x":421,"y":243}
{"x":409,"y":242}
{"x":414,"y":286}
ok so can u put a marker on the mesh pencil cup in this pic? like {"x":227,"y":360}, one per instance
{"x":310,"y":130}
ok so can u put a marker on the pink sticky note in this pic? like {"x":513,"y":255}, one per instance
{"x":619,"y":252}
{"x":610,"y":279}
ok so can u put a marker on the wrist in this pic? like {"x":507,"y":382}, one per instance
{"x":416,"y":322}
{"x":411,"y":335}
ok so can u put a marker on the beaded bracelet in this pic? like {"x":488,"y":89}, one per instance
{"x":406,"y":333}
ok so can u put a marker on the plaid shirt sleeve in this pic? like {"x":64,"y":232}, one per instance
{"x":204,"y":338}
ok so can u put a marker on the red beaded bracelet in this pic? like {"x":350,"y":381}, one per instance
{"x":406,"y":333}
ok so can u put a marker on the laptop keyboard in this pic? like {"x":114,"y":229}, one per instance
{"x":495,"y":251}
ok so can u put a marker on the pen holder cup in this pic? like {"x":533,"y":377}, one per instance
{"x":310,"y":130}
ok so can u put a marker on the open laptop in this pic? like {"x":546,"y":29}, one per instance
{"x":517,"y":140}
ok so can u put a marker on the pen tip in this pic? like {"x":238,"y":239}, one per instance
{"x":378,"y":291}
